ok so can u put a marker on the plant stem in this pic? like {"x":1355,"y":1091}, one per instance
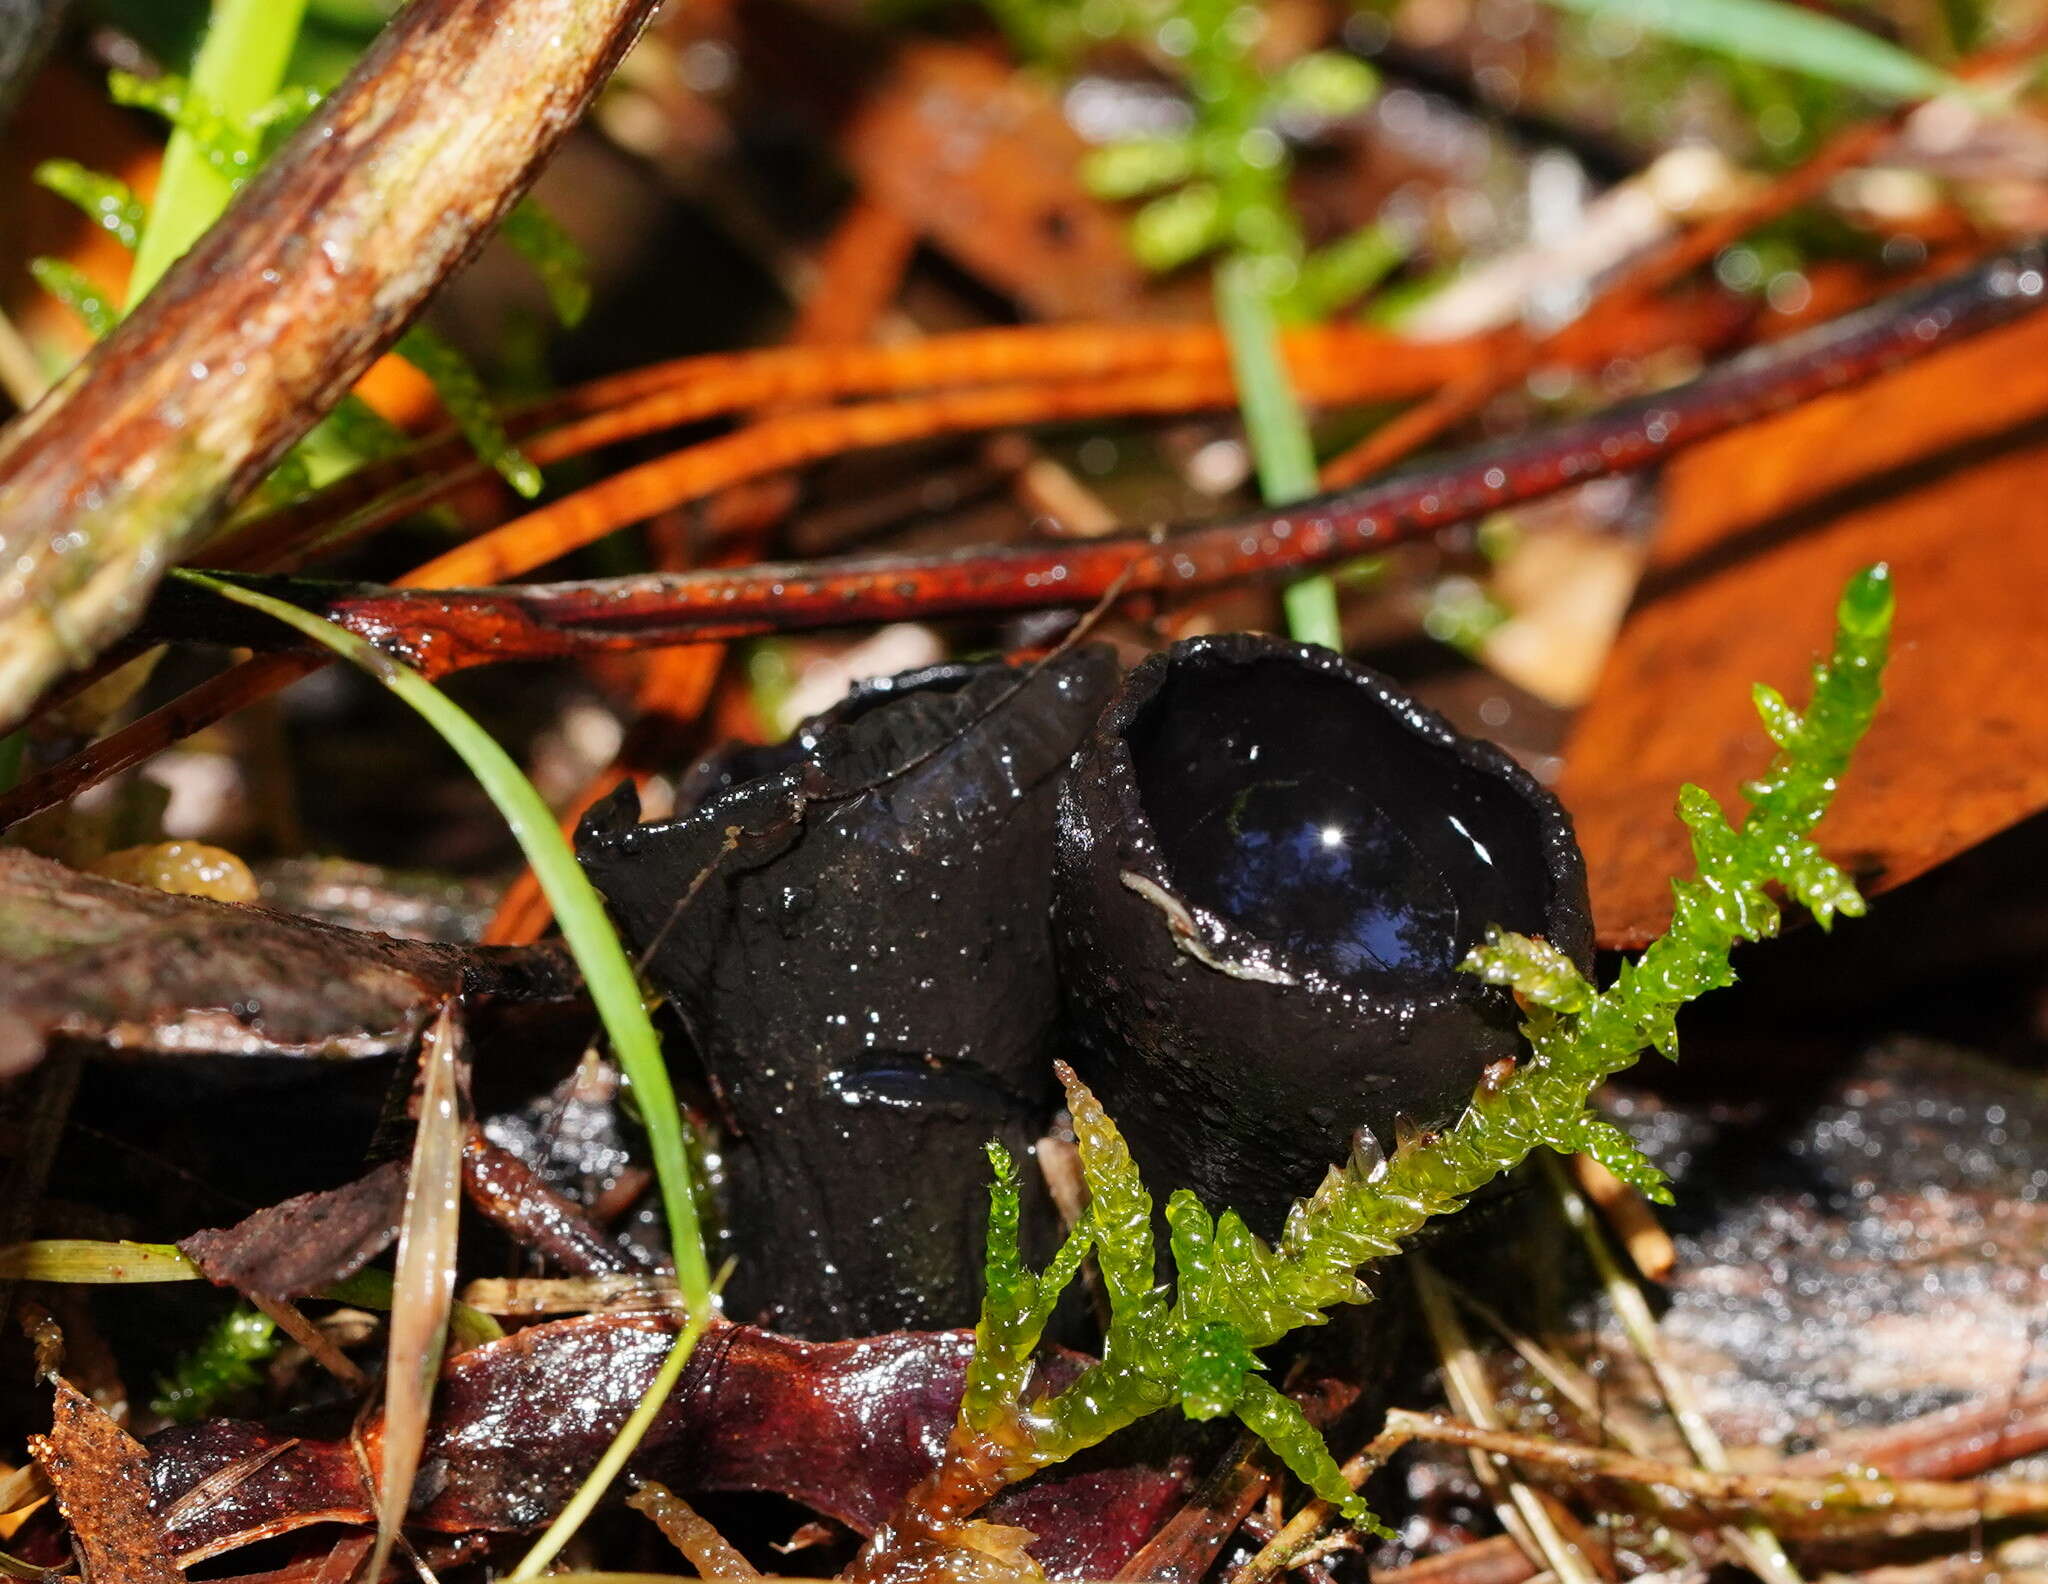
{"x":1521,"y":1510}
{"x":1275,"y":428}
{"x":239,"y":68}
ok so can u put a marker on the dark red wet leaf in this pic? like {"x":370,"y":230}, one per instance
{"x":844,"y":1427}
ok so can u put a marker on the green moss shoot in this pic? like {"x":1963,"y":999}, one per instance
{"x":1195,"y":1342}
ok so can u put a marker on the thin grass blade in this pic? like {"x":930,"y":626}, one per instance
{"x":423,"y":1290}
{"x":614,"y":991}
{"x":98,"y":1263}
{"x":1782,"y":35}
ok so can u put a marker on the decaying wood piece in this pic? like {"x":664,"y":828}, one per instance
{"x":320,"y":263}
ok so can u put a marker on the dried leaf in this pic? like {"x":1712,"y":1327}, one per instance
{"x":423,"y":1287}
{"x":140,"y":972}
{"x":101,"y":1476}
{"x":1935,"y":469}
{"x":980,"y":158}
{"x":306,"y":1243}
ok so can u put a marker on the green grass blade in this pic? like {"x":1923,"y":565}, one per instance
{"x":1782,"y":35}
{"x":608,"y":974}
{"x":239,"y":68}
{"x":98,"y":1263}
{"x":1275,"y":428}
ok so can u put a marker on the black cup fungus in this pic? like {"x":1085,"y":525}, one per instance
{"x":854,"y":926}
{"x":1270,"y":864}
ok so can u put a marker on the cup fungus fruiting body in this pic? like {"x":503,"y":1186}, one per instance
{"x":1270,"y":864}
{"x":853,"y":924}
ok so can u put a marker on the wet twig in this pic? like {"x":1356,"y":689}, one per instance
{"x":443,"y":630}
{"x":1802,"y":1505}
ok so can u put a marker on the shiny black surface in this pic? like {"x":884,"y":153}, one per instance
{"x":866,"y":969}
{"x":1270,"y":865}
{"x":1313,"y":824}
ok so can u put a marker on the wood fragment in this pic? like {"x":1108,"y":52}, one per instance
{"x":318,"y":265}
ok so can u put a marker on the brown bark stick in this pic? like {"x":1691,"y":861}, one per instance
{"x":318,"y":266}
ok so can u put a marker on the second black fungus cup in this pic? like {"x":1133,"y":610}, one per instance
{"x":1270,"y":864}
{"x":854,"y":926}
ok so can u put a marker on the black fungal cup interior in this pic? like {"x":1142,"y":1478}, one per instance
{"x":1307,"y":823}
{"x":1271,"y":863}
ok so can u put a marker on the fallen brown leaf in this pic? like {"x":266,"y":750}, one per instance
{"x":844,"y":1427}
{"x":978,"y":156}
{"x":306,"y":1243}
{"x":137,"y":971}
{"x":1938,"y":469}
{"x":101,"y":1476}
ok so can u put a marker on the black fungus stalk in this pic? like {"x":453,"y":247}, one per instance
{"x":866,"y":968}
{"x":1271,"y":863}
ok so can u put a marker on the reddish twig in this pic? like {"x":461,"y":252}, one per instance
{"x":1159,"y":365}
{"x":446,"y":629}
{"x":318,"y":265}
{"x":1950,"y":1443}
{"x":858,"y":275}
{"x":443,"y":630}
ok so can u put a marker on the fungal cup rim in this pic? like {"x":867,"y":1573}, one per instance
{"x":1224,"y":946}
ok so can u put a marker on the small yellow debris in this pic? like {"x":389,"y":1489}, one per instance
{"x":182,"y":868}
